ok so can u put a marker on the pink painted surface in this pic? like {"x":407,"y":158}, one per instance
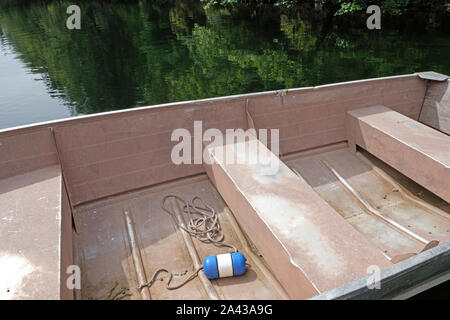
{"x":308,"y":245}
{"x":313,"y":117}
{"x":110,"y":154}
{"x":436,"y":106}
{"x":416,"y":150}
{"x":372,"y":179}
{"x":116,"y":153}
{"x":30,"y":233}
{"x":106,"y":257}
{"x":24,"y":152}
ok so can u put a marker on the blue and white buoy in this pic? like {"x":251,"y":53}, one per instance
{"x":224,"y":265}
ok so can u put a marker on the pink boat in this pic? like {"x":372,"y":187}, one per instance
{"x":361,"y":190}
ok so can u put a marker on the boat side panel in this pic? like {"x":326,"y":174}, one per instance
{"x":112,"y":153}
{"x":313,"y":117}
{"x":436,"y":107}
{"x":21,"y":153}
{"x":111,"y":156}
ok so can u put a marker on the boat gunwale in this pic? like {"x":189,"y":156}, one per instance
{"x":102,"y":115}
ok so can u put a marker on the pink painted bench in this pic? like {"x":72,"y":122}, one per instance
{"x":307,"y":244}
{"x":36,"y":236}
{"x":416,"y":150}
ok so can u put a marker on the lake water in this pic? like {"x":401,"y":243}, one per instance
{"x":142,"y":53}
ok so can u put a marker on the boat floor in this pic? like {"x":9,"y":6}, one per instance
{"x":385,"y":189}
{"x":105,"y":255}
{"x":102,"y":247}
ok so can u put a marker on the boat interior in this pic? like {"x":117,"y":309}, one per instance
{"x":363,"y":180}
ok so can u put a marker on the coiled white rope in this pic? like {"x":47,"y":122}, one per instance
{"x":204,"y":224}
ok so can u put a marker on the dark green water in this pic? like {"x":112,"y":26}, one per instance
{"x":141,"y":53}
